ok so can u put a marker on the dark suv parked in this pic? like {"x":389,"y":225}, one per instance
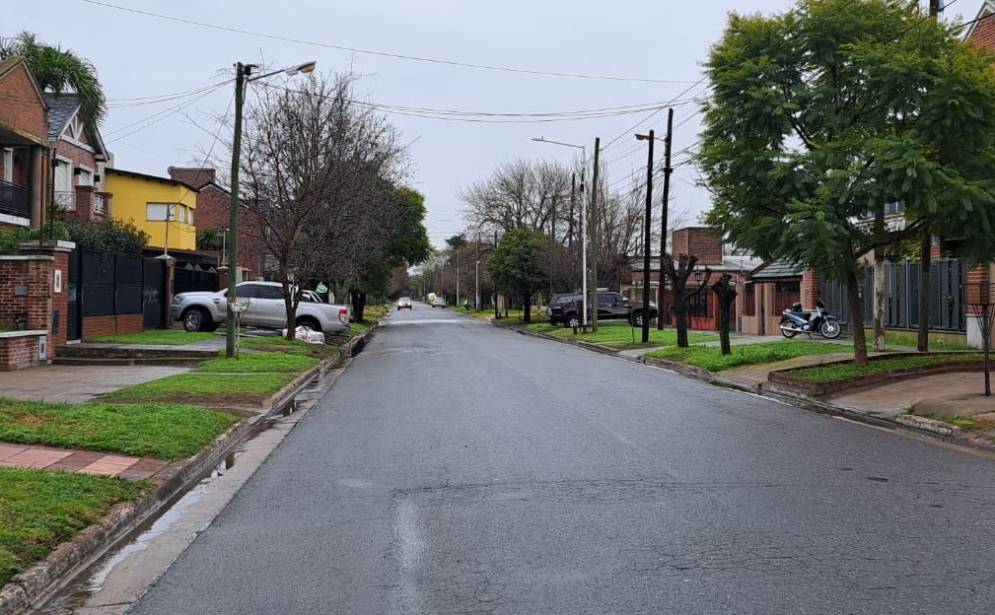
{"x":566,"y":309}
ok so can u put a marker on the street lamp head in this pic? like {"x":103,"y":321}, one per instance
{"x":642,"y":137}
{"x":307,"y":67}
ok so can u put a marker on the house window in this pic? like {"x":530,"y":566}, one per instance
{"x":8,"y":165}
{"x":85,"y":177}
{"x":698,"y":305}
{"x":189,"y":215}
{"x":159,"y":212}
{"x":749,"y":300}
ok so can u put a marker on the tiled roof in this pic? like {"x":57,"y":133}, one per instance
{"x":778,"y":269}
{"x":61,"y":109}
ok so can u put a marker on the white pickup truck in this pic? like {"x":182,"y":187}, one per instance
{"x":204,"y":311}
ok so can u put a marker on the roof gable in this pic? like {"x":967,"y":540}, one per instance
{"x":987,"y":8}
{"x":17,"y":63}
{"x":65,"y":122}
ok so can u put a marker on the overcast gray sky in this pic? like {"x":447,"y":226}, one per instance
{"x":139,"y":56}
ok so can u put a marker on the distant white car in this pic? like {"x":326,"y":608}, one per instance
{"x":439,"y":302}
{"x":404,"y":303}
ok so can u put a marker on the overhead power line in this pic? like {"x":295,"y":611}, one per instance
{"x":385,"y":54}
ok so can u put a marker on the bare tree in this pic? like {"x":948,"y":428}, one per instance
{"x":314,"y":163}
{"x":521,"y":194}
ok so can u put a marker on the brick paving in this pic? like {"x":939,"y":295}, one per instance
{"x":83,"y":462}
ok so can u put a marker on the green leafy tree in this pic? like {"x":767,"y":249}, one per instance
{"x":517,"y":265}
{"x":821,"y":114}
{"x":107,"y":235}
{"x":58,"y":70}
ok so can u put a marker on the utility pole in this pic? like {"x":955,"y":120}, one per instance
{"x":646,"y":238}
{"x":476,"y":275}
{"x":241,"y":71}
{"x":661,"y":292}
{"x":925,"y":252}
{"x":593,"y":273}
{"x":573,"y":208}
{"x":497,"y":313}
{"x":457,"y":278}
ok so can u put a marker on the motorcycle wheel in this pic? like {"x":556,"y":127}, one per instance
{"x":788,"y":334}
{"x":830,"y":329}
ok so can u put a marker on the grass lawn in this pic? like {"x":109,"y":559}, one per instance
{"x":41,"y":509}
{"x":712,"y":359}
{"x":165,"y":431}
{"x":911,"y":340}
{"x":260,"y":362}
{"x":164,"y":337}
{"x":844,"y":371}
{"x":197,"y":387}
{"x":621,"y":335}
{"x":356,"y":328}
{"x":296,"y":347}
{"x":376,"y":311}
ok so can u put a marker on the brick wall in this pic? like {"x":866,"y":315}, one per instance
{"x":811,"y":288}
{"x":212,"y":212}
{"x":24,"y":290}
{"x":22,"y":108}
{"x":984,"y":32}
{"x":97,"y":326}
{"x":19,"y":352}
{"x":698,"y":241}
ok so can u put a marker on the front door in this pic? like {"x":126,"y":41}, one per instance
{"x":153,"y":279}
{"x":63,"y":185}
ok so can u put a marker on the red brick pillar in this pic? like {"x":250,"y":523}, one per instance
{"x":811,"y":283}
{"x":48,"y":297}
{"x":977,"y":283}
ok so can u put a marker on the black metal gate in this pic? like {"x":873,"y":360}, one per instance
{"x":153,"y":283}
{"x":193,"y":278}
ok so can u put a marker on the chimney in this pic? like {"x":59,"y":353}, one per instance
{"x":699,"y":241}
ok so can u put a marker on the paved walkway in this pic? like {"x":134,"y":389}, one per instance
{"x":896,"y":398}
{"x":82,"y":462}
{"x":77,"y":383}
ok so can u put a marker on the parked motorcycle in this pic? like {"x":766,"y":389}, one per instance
{"x":795,"y":321}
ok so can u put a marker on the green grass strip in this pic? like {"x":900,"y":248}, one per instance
{"x":621,"y":335}
{"x":210,"y":388}
{"x":39,"y":510}
{"x":298,"y":347}
{"x":260,"y":362}
{"x":160,"y":337}
{"x":165,"y":431}
{"x":712,"y":359}
{"x":838,"y":372}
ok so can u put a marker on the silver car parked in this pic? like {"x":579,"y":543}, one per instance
{"x":204,"y":311}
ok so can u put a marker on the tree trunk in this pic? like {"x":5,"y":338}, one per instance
{"x":682,"y":323}
{"x":527,"y":307}
{"x":291,"y":310}
{"x":358,"y":306}
{"x":879,"y":282}
{"x":726,"y":296}
{"x":925,"y":262}
{"x":857,"y":319}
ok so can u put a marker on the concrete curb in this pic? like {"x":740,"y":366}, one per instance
{"x":909,"y":424}
{"x":38,"y":583}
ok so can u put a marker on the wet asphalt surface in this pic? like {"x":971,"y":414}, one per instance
{"x":459,"y":468}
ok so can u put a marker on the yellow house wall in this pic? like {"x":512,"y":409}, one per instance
{"x":132,"y":194}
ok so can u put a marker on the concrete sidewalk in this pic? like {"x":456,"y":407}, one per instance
{"x":897,"y":398}
{"x":77,"y":383}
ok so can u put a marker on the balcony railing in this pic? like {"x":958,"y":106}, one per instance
{"x":99,"y":204}
{"x":64,"y":200}
{"x":15,"y":200}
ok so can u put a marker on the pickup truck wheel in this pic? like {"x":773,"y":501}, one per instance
{"x":197,"y":319}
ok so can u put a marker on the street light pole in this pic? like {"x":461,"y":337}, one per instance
{"x":242,"y":72}
{"x":646,"y":237}
{"x":583,"y":223}
{"x":667,"y":171}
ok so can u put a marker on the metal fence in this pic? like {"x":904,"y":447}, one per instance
{"x":947,"y":308}
{"x":104,"y":284}
{"x":193,"y":278}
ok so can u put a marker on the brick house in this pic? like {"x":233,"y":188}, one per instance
{"x":24,"y":146}
{"x":703,"y":310}
{"x":213,"y":202}
{"x":80,"y":160}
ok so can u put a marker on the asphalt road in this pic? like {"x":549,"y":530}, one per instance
{"x":459,"y":468}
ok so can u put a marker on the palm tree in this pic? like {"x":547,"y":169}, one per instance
{"x":59,"y":70}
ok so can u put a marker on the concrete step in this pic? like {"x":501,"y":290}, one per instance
{"x":161,"y":361}
{"x":110,"y":351}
